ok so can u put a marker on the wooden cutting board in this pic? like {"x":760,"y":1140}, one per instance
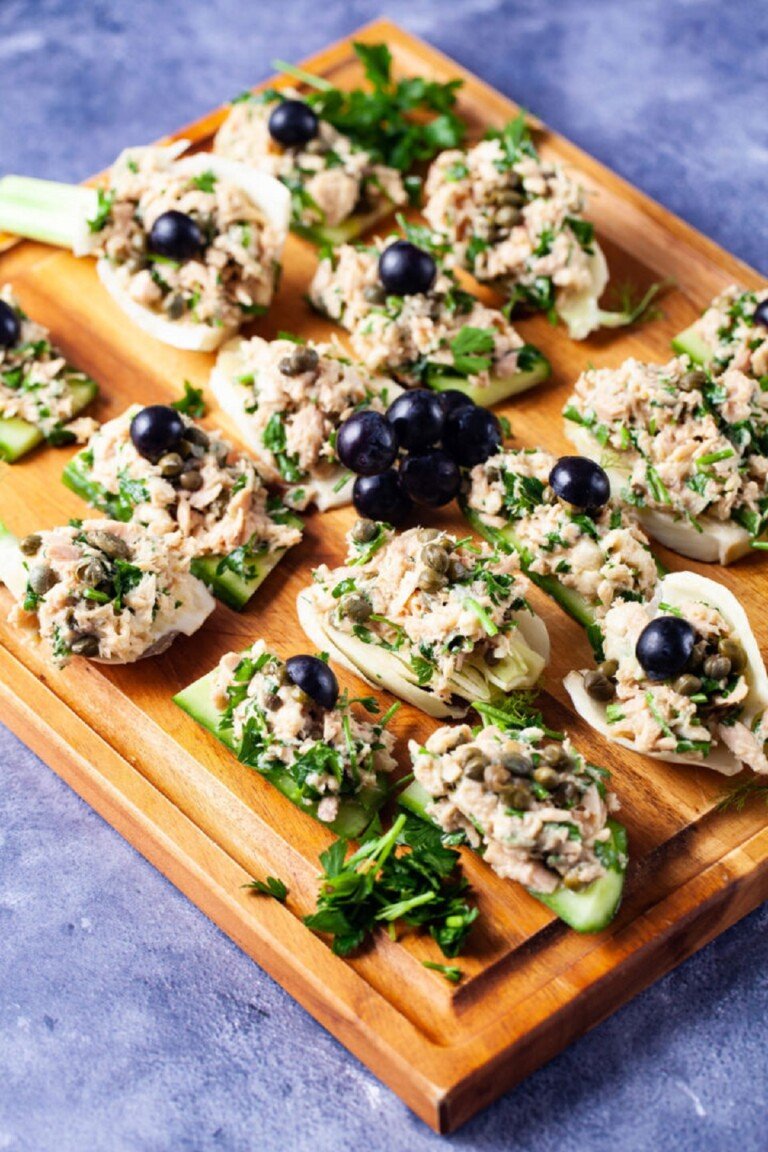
{"x":209,"y":824}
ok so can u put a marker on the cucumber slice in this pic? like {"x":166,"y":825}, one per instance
{"x":591,"y":909}
{"x":347,"y":231}
{"x":690,"y":343}
{"x":354,"y":815}
{"x":499,"y":388}
{"x":12,"y":570}
{"x":17,"y":436}
{"x":227,"y":585}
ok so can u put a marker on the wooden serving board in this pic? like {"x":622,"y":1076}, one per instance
{"x":209,"y":824}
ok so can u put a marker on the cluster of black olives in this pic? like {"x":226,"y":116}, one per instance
{"x":414,"y":453}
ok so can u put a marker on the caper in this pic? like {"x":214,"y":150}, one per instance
{"x":515,"y":761}
{"x":546,"y":776}
{"x":697,"y":656}
{"x":510,"y":196}
{"x":170,"y":465}
{"x":435,"y":557}
{"x":491,"y":658}
{"x":608,"y":668}
{"x":31,"y":544}
{"x":175,"y":306}
{"x":457,"y":571}
{"x":374,"y":293}
{"x":471,"y":760}
{"x":272,"y":701}
{"x":92,"y":571}
{"x":691,"y":380}
{"x":431,"y":581}
{"x":599,"y":687}
{"x":425,"y":535}
{"x":188,"y":449}
{"x":572,"y":882}
{"x":364,"y":531}
{"x":86,"y":644}
{"x":197,"y":436}
{"x":191,"y":481}
{"x":734,"y":652}
{"x":110,"y":544}
{"x":687,"y":684}
{"x":567,"y":794}
{"x":357,"y":608}
{"x":554,"y":754}
{"x":717,"y":667}
{"x":507,"y":216}
{"x":301,"y":360}
{"x":42,"y":578}
{"x":517,"y":795}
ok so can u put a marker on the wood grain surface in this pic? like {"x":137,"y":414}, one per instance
{"x":209,"y":823}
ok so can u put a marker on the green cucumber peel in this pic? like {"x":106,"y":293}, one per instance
{"x":18,"y":437}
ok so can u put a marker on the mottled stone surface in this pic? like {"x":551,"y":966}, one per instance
{"x":127,"y":1022}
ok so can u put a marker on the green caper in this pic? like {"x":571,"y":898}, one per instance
{"x":187,"y":449}
{"x":599,"y":687}
{"x":517,"y":795}
{"x":572,"y":882}
{"x":272,"y":702}
{"x":554,"y":754}
{"x":425,"y":535}
{"x":435,"y":557}
{"x":170,"y":465}
{"x":110,"y":544}
{"x":733,"y":651}
{"x":515,"y":761}
{"x":717,"y":667}
{"x":457,"y":571}
{"x":175,"y":306}
{"x":608,"y":668}
{"x":364,"y":531}
{"x":301,"y":360}
{"x":30,"y":544}
{"x":357,"y":608}
{"x":687,"y":684}
{"x":567,"y":794}
{"x":546,"y":776}
{"x":471,"y":760}
{"x":689,"y":381}
{"x":42,"y":578}
{"x":92,"y":571}
{"x":507,"y":216}
{"x":197,"y":436}
{"x":191,"y":481}
{"x":431,"y":581}
{"x":374,"y":294}
{"x":697,"y":656}
{"x":86,"y":644}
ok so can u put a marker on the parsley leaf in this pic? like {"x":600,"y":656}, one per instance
{"x":272,"y":886}
{"x":192,"y":402}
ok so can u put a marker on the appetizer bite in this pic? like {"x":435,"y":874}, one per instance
{"x":435,"y":620}
{"x":687,"y":450}
{"x":288,"y":721}
{"x":40,"y":393}
{"x":156,"y":467}
{"x":102,"y":589}
{"x":732,"y":332}
{"x":516,"y":220}
{"x":408,"y":316}
{"x":682,"y":679}
{"x":586,"y":551}
{"x":289,"y":399}
{"x":535,"y":810}
{"x":342,"y":154}
{"x":189,"y":248}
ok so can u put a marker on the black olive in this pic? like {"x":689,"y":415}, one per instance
{"x":315,"y":679}
{"x":157,"y":430}
{"x":10,"y":326}
{"x":292,"y":123}
{"x":417,"y":418}
{"x":176,"y":236}
{"x":452,"y":398}
{"x":760,"y":315}
{"x":664,"y":647}
{"x":366,"y":443}
{"x":430,"y":478}
{"x":580,"y":482}
{"x":381,"y":497}
{"x":406,"y":270}
{"x":471,"y":435}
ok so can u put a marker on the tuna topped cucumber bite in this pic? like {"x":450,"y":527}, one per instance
{"x":288,"y":400}
{"x":435,"y":620}
{"x":288,"y":721}
{"x":189,"y":248}
{"x":533,"y":807}
{"x":682,"y":679}
{"x":515,"y":219}
{"x":102,"y":589}
{"x":343,"y":153}
{"x":408,"y":316}
{"x":687,"y":450}
{"x":158,"y":468}
{"x":732,"y":332}
{"x":577,"y":544}
{"x":40,"y":393}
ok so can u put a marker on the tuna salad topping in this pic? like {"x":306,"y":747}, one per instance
{"x":289,"y":400}
{"x":36,"y":382}
{"x":512,"y":216}
{"x":439,"y":337}
{"x":329,"y":753}
{"x":677,"y":680}
{"x":692,"y":445}
{"x":330,"y":178}
{"x":535,"y":808}
{"x":602,"y":555}
{"x":451,"y":613}
{"x":203,"y":490}
{"x":734,"y":329}
{"x":189,"y":246}
{"x":107,"y":590}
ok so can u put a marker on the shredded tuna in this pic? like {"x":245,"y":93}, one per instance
{"x":728,"y":329}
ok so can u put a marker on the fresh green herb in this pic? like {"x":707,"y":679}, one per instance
{"x":738,"y":798}
{"x":583,"y":230}
{"x":489,"y":627}
{"x":206,"y":181}
{"x":100,"y":219}
{"x":192,"y":403}
{"x":472,"y":350}
{"x":452,"y":974}
{"x":269,"y":887}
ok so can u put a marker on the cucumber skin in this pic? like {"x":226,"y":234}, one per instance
{"x":689,"y":343}
{"x":226,"y":585}
{"x":590,"y":910}
{"x":498,"y":389}
{"x":18,"y":437}
{"x":345,"y":232}
{"x":354,"y":814}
